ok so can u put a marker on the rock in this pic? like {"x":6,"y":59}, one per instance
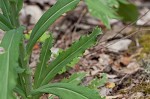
{"x":145,"y":18}
{"x":33,"y":12}
{"x":119,"y":45}
{"x":104,"y":59}
{"x":105,"y":91}
{"x":55,"y":50}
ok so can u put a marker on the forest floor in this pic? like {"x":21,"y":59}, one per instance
{"x":122,"y":52}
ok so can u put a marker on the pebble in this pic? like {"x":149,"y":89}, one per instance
{"x":119,"y":45}
{"x":33,"y":11}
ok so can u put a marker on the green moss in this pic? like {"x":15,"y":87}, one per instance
{"x":145,"y":43}
{"x":143,"y":87}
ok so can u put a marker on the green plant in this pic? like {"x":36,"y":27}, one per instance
{"x":14,"y":55}
{"x":112,"y":9}
{"x":95,"y":83}
{"x":77,"y":78}
{"x":15,"y":73}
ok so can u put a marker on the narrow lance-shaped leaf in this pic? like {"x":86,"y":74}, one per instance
{"x":14,"y":13}
{"x":67,"y":56}
{"x":9,"y":49}
{"x":19,"y":5}
{"x":43,"y":61}
{"x":3,"y":27}
{"x":66,"y":91}
{"x":75,"y":78}
{"x":4,"y":23}
{"x":5,"y":6}
{"x":49,"y":18}
{"x":20,"y":92}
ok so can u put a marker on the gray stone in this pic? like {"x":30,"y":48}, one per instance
{"x":119,"y":45}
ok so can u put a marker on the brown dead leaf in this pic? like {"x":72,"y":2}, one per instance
{"x":129,"y":69}
{"x":125,"y":60}
{"x":77,"y":67}
{"x":36,"y":46}
{"x":117,"y":65}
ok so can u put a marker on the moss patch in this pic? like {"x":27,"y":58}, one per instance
{"x":143,"y":87}
{"x":145,"y":43}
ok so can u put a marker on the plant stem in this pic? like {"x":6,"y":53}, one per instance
{"x":27,"y":73}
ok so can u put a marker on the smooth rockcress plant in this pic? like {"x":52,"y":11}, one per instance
{"x":15,"y":73}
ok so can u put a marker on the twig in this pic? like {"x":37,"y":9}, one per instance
{"x":127,"y":26}
{"x":123,"y":78}
{"x":73,"y":27}
{"x":80,"y":18}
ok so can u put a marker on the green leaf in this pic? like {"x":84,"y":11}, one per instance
{"x":67,"y":56}
{"x":20,"y":92}
{"x":14,"y":13}
{"x":128,"y":12}
{"x":95,"y":83}
{"x":44,"y":37}
{"x":5,"y":6}
{"x":43,"y":61}
{"x":8,"y":62}
{"x":9,"y":9}
{"x":49,"y":18}
{"x":100,"y":9}
{"x":66,"y":91}
{"x":112,"y":3}
{"x":19,"y":5}
{"x":75,"y":78}
{"x":4,"y":23}
{"x":115,"y":3}
{"x":70,"y":65}
{"x":124,"y":1}
{"x":3,"y":27}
